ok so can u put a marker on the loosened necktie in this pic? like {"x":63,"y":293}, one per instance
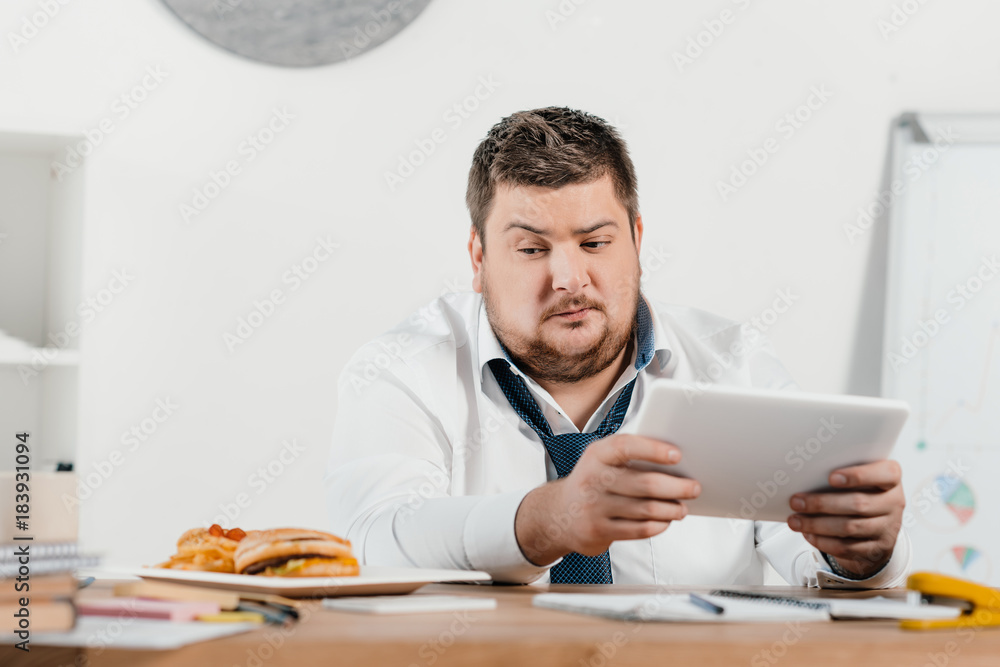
{"x":564,"y":450}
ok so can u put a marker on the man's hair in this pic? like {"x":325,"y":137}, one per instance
{"x":549,"y":147}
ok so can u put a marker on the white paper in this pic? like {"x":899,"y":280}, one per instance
{"x":409,"y":604}
{"x":880,"y":607}
{"x":133,"y":633}
{"x":676,"y":608}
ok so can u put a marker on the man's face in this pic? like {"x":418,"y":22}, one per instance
{"x":561,"y":279}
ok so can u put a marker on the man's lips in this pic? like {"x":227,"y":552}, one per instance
{"x":573,"y":315}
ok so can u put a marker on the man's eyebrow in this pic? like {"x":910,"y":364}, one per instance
{"x":541,"y":232}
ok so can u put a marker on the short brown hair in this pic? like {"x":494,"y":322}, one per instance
{"x":549,"y":147}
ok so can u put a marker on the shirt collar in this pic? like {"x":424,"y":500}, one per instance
{"x":652,"y":340}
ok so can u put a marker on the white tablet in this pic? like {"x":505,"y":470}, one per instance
{"x":752,"y":449}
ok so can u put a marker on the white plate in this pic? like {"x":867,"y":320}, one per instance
{"x":372,"y":581}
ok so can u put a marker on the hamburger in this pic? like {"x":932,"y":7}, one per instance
{"x":206,"y":549}
{"x":295,"y":552}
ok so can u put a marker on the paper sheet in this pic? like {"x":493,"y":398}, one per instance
{"x":133,"y":633}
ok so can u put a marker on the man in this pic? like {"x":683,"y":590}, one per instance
{"x":481,"y":433}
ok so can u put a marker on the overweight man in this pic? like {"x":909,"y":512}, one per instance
{"x":482,"y":432}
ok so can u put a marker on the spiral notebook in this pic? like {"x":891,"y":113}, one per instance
{"x":681,"y":607}
{"x":722,"y":606}
{"x":878,"y":607}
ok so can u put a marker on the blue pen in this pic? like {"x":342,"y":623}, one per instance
{"x":707,"y":605}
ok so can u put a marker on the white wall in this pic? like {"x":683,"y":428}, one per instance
{"x":162,"y":337}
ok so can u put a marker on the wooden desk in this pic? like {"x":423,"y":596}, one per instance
{"x":519,"y":635}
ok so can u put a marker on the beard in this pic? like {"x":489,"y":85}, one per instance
{"x":546,"y":362}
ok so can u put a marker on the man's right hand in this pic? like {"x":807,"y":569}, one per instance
{"x":603,"y":500}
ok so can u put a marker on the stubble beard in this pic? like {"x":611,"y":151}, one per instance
{"x":545,"y":362}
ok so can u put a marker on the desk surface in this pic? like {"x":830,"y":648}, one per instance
{"x":518,"y":635}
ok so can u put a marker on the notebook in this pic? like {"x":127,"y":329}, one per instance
{"x":739,"y":607}
{"x":408,"y":604}
{"x":877,"y":607}
{"x":134,"y":633}
{"x":169,"y":610}
{"x":680,"y":607}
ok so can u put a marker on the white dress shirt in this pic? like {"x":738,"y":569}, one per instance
{"x":430,"y":462}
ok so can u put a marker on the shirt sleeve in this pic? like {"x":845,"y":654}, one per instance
{"x":893,"y":573}
{"x":387,"y":487}
{"x":801,"y":564}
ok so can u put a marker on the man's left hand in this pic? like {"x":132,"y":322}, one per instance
{"x":858,"y":523}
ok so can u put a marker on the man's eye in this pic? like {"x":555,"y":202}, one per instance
{"x":596,"y":244}
{"x":530,"y":251}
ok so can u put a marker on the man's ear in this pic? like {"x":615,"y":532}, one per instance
{"x":638,"y":234}
{"x":476,"y":255}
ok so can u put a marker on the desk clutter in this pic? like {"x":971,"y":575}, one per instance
{"x":156,"y":615}
{"x":52,"y":603}
{"x":38,"y":565}
{"x":221,"y":582}
{"x":177,"y":602}
{"x":934,"y":601}
{"x":217,"y":583}
{"x":38,"y":589}
{"x":724,"y":606}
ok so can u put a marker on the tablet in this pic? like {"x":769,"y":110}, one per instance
{"x":752,"y":449}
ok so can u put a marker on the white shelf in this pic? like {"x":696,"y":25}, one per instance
{"x":51,"y":356}
{"x":41,"y":220}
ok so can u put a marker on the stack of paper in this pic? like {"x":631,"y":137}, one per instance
{"x":677,"y":608}
{"x":733,"y":606}
{"x":139,"y":633}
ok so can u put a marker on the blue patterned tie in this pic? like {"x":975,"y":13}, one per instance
{"x":565,"y":450}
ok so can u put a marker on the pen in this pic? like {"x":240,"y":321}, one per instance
{"x":270,"y":614}
{"x":707,"y":605}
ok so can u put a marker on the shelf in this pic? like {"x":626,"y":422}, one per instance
{"x":41,"y":223}
{"x":52,"y":356}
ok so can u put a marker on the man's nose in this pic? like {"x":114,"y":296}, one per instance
{"x":569,"y":269}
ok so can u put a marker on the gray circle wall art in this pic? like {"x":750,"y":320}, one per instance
{"x":297,"y":33}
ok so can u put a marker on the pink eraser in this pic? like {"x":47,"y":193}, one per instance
{"x":171,"y":610}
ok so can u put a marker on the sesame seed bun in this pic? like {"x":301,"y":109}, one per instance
{"x":266,"y":551}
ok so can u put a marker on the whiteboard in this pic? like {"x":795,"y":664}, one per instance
{"x":941,"y":351}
